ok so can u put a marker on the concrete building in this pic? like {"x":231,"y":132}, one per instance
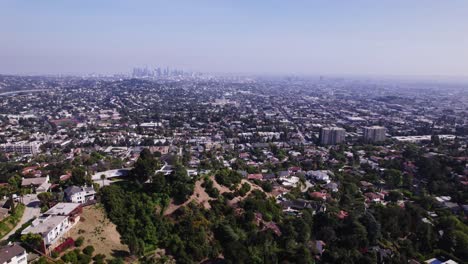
{"x":13,"y":254}
{"x":374,"y":134}
{"x":23,"y":147}
{"x":332,"y":135}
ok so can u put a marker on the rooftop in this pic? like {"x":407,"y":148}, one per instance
{"x":44,"y":224}
{"x":62,"y":209}
{"x":9,"y":251}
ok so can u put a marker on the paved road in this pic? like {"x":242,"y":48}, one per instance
{"x":307,"y":186}
{"x":32,"y":210}
{"x":23,"y":91}
{"x":301,"y":135}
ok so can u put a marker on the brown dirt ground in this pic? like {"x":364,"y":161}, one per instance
{"x":99,"y":232}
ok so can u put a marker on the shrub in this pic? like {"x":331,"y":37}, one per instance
{"x":210,"y":189}
{"x":99,"y":258}
{"x":228,"y":177}
{"x":89,"y":250}
{"x":84,"y":259}
{"x":79,"y":241}
{"x":70,"y":257}
{"x":42,"y":260}
{"x":245,"y":188}
{"x":229,"y":195}
{"x":116,"y":261}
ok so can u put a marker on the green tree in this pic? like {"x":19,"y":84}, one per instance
{"x":103,"y":177}
{"x":228,"y":177}
{"x":79,"y":177}
{"x":99,"y":258}
{"x":158,"y":183}
{"x":45,"y":198}
{"x":394,"y":196}
{"x":88,"y":250}
{"x":32,"y":240}
{"x":372,"y":226}
{"x":266,"y":186}
{"x":394,"y":177}
{"x":181,"y":184}
{"x":145,"y":167}
{"x":70,"y":257}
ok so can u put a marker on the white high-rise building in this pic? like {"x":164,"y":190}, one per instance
{"x":374,"y":134}
{"x":332,"y":135}
{"x":22,"y":147}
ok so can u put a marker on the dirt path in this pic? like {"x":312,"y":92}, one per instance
{"x":221,"y":189}
{"x":253,"y":186}
{"x":201,"y":197}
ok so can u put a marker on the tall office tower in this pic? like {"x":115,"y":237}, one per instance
{"x":136,"y":72}
{"x":374,"y":134}
{"x":332,"y":135}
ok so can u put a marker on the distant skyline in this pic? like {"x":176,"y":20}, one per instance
{"x":376,"y":38}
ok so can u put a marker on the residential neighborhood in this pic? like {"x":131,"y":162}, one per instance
{"x":328,"y":159}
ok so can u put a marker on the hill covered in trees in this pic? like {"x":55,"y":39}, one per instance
{"x":257,"y":230}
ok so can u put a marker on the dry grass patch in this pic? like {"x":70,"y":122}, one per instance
{"x":99,"y":232}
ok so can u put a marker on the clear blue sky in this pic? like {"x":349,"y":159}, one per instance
{"x":375,"y":37}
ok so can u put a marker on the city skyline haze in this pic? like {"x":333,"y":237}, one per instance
{"x":421,"y":38}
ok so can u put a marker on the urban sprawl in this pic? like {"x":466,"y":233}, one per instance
{"x":168,"y":166}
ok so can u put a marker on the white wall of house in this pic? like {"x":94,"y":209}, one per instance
{"x":18,"y":259}
{"x":57,"y":232}
{"x":78,"y":197}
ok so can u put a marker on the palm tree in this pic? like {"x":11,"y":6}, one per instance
{"x":103,"y":177}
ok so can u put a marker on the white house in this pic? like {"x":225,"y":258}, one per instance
{"x":42,"y":184}
{"x":13,"y":254}
{"x":81,"y":195}
{"x":289,"y":181}
{"x":319,"y":175}
{"x":51,"y":228}
{"x":55,"y":223}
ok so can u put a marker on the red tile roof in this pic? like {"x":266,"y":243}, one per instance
{"x":256,"y":176}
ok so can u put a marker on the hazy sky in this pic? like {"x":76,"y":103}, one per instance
{"x":378,"y":37}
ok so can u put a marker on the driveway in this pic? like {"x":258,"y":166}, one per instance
{"x":307,"y":186}
{"x":32,"y":210}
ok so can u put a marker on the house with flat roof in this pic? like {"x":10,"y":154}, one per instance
{"x":50,"y":227}
{"x":54,"y":224}
{"x":67,"y":209}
